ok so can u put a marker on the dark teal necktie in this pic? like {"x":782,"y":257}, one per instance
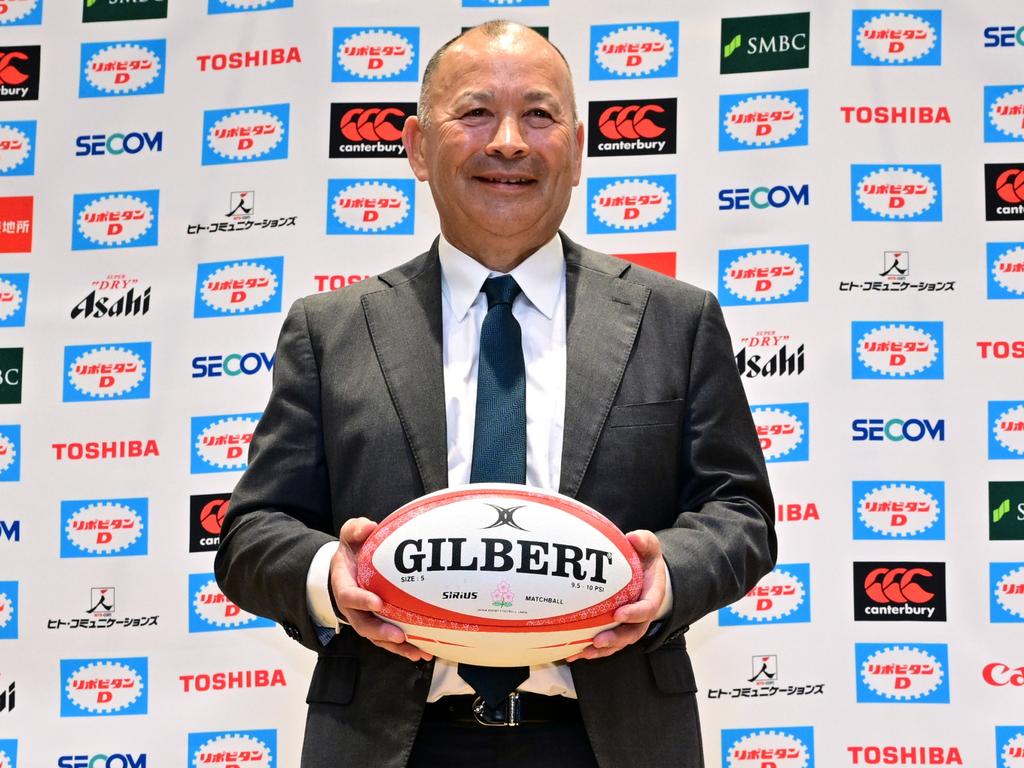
{"x":499,"y":438}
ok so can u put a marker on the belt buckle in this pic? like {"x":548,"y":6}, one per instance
{"x":486,"y":715}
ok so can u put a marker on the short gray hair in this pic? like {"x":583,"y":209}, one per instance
{"x":493,"y":29}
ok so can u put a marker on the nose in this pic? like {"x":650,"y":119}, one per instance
{"x":508,"y":140}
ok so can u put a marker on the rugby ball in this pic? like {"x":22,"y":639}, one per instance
{"x":499,"y":575}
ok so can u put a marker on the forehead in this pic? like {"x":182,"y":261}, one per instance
{"x":518,"y":62}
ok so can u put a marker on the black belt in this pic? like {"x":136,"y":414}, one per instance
{"x":517,"y":709}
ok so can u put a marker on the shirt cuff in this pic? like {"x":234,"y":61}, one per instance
{"x":318,"y":599}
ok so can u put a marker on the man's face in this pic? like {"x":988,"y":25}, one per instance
{"x":499,"y":149}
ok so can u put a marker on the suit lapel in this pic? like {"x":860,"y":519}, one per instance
{"x":404,"y":321}
{"x":603,"y":314}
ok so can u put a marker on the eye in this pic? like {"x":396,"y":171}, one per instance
{"x":474,"y":113}
{"x":539,"y":117}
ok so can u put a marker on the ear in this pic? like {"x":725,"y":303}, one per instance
{"x":412,"y":138}
{"x":579,"y":154}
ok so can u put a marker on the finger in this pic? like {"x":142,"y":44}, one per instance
{"x":643,"y":610}
{"x":374,"y":629}
{"x":356,"y":530}
{"x":646,"y":544}
{"x":350,"y":597}
{"x":411,"y":652}
{"x":620,"y":637}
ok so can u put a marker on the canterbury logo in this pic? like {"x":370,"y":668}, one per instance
{"x":371,"y":124}
{"x":1010,"y":185}
{"x":504,"y":517}
{"x":632,"y":122}
{"x":8,"y":74}
{"x":896,"y":585}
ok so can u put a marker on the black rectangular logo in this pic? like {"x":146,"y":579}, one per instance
{"x":369,"y":129}
{"x":11,"y":359}
{"x":19,"y":72}
{"x":632,"y":127}
{"x":1004,"y":191}
{"x":1006,"y":510}
{"x":120,"y":10}
{"x":206,"y":516}
{"x":762,"y":43}
{"x":899,"y":591}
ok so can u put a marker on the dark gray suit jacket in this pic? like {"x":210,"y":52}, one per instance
{"x":658,"y":435}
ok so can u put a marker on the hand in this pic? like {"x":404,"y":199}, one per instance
{"x":356,"y":604}
{"x":634,"y":618}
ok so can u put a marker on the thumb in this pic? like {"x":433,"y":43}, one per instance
{"x":646,"y":544}
{"x":356,"y":530}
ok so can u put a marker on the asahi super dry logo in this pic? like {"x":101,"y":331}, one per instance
{"x":97,"y":687}
{"x":115,"y":219}
{"x":212,"y":611}
{"x":781,"y":597}
{"x":245,"y":134}
{"x":375,"y":53}
{"x":897,"y":38}
{"x":630,"y":51}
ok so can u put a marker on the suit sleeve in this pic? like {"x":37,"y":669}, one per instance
{"x":723,"y":539}
{"x":280,"y":511}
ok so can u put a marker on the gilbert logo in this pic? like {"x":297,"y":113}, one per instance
{"x":8,"y":610}
{"x":241,"y":6}
{"x":1007,"y":592}
{"x":632,"y":127}
{"x":96,"y":687}
{"x":791,"y":747}
{"x":212,"y":611}
{"x":1004,"y":191}
{"x":249,"y":287}
{"x":908,"y":509}
{"x":245,"y":134}
{"x":896,"y":192}
{"x":17,"y":148}
{"x":19,"y":73}
{"x":912,"y":673}
{"x":221,"y":443}
{"x":129,"y":68}
{"x":1004,"y":113}
{"x":10,"y":453}
{"x":13,"y":299}
{"x":783,"y":431}
{"x":1006,"y":438}
{"x":107,"y":372}
{"x":18,"y":12}
{"x":781,"y":597}
{"x":104,"y":527}
{"x":375,"y":53}
{"x":633,"y":51}
{"x":1010,"y":746}
{"x":369,"y":129}
{"x":770,"y":275}
{"x":897,"y":38}
{"x":371,"y":206}
{"x":1005,"y":274}
{"x":642,"y":203}
{"x":897,"y":350}
{"x":239,"y":749}
{"x":115,"y":219}
{"x":762,"y":120}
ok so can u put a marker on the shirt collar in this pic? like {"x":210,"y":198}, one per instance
{"x":540,"y":276}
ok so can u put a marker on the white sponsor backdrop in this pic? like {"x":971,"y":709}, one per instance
{"x":821,"y":266}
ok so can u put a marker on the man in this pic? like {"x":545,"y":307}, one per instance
{"x":633,"y":406}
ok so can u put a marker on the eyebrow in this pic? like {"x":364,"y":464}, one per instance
{"x":533,"y":96}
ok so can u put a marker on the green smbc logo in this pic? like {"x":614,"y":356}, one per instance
{"x":1006,"y":511}
{"x":760,"y":43}
{"x":119,"y":10}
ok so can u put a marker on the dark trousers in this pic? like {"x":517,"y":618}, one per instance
{"x":532,"y":745}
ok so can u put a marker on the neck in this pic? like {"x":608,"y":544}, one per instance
{"x":496,"y":254}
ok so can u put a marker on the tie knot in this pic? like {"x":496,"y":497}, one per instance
{"x":501,"y":290}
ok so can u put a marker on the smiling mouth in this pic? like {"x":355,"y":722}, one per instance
{"x":506,"y":182}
